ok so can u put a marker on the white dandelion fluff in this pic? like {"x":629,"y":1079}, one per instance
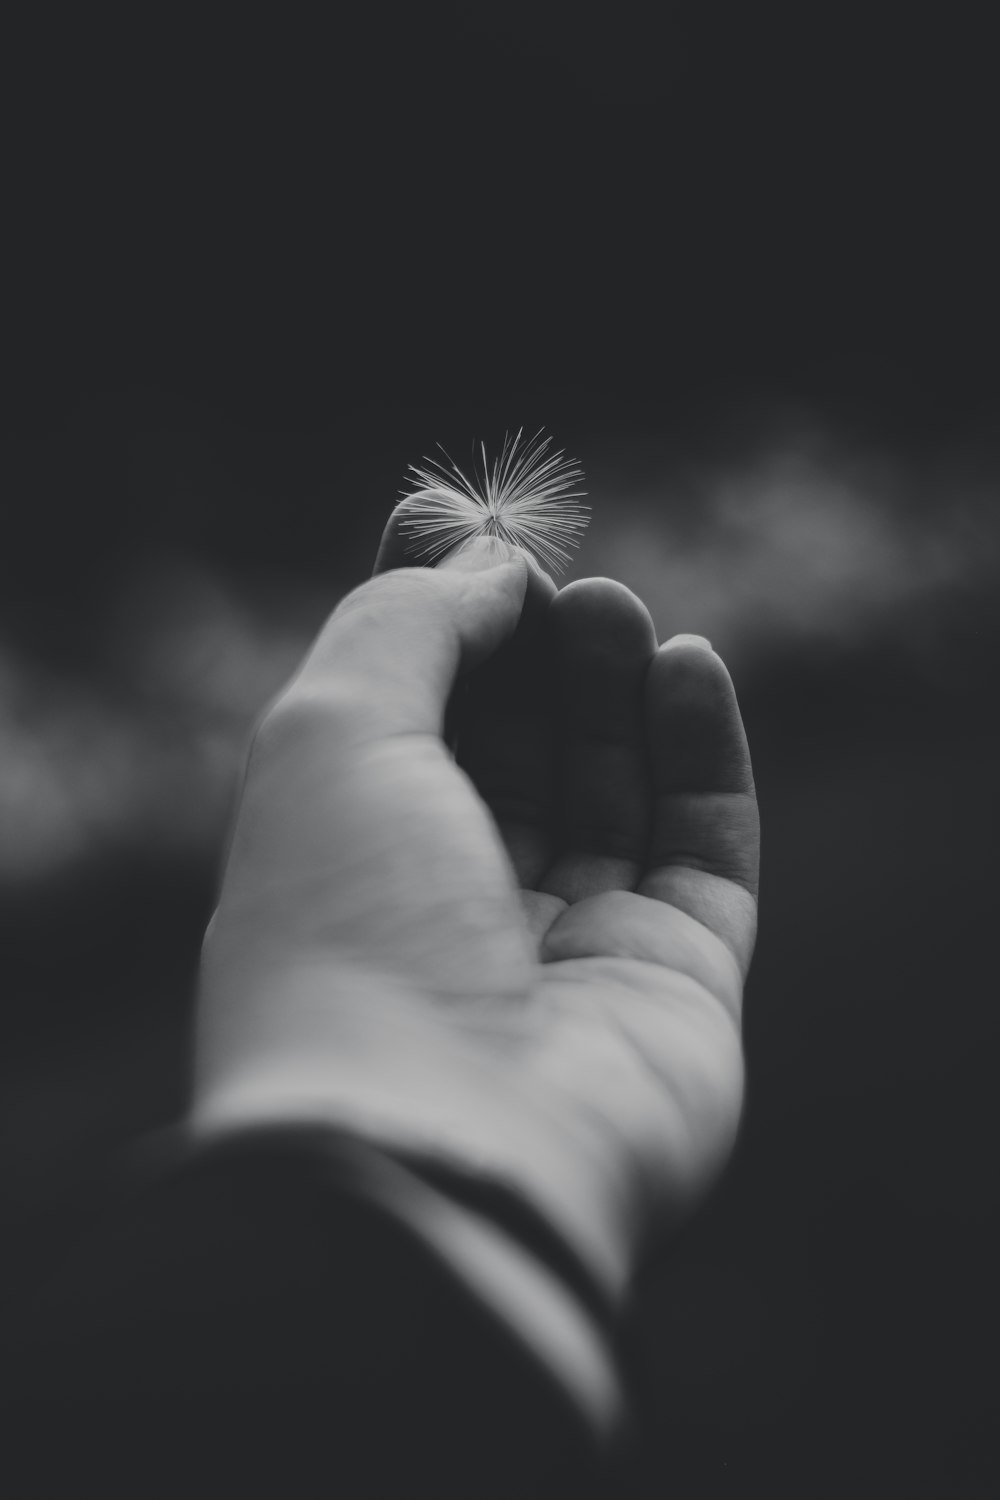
{"x":526,"y":497}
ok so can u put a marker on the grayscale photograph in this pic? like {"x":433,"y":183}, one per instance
{"x":499,"y":644}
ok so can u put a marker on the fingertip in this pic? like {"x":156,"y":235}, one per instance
{"x":479,"y":553}
{"x":541,"y":583}
{"x":700,"y":641}
{"x":698,"y":739}
{"x":607,"y":612}
{"x":690,"y":671}
{"x":517,"y":571}
{"x":395,"y":548}
{"x":539,"y":594}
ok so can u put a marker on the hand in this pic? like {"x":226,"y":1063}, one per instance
{"x":528,"y":961}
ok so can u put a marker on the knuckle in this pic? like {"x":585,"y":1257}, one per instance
{"x":300,"y":716}
{"x":397,"y":585}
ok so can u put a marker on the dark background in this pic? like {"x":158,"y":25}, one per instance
{"x":741,"y":261}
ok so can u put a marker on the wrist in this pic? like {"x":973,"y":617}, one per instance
{"x":447,"y":1100}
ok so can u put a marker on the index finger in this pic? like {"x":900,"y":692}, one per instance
{"x":503,"y":723}
{"x":395,"y":549}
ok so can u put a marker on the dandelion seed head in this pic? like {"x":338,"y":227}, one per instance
{"x":527,"y":497}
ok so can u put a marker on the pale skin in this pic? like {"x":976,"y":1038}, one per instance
{"x":527,"y":962}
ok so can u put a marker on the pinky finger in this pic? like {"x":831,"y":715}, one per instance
{"x":705,"y":845}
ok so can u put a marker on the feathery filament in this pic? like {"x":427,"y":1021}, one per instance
{"x":527,"y":498}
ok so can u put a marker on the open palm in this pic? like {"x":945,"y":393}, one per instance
{"x":490,"y":897}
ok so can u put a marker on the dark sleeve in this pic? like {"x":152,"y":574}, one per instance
{"x":278,"y":1315}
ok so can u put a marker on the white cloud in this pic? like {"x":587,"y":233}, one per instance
{"x":800,"y":542}
{"x":793,"y":543}
{"x":153,"y":758}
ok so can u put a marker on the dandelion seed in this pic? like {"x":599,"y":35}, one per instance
{"x":527,"y":498}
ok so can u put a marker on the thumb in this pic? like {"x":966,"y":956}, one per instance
{"x":390,"y":652}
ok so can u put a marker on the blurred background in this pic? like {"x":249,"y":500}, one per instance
{"x":741,"y":262}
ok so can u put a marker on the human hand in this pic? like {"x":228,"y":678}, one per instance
{"x":528,"y":962}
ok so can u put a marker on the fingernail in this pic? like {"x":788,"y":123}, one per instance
{"x":478,"y":553}
{"x":700,"y":641}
